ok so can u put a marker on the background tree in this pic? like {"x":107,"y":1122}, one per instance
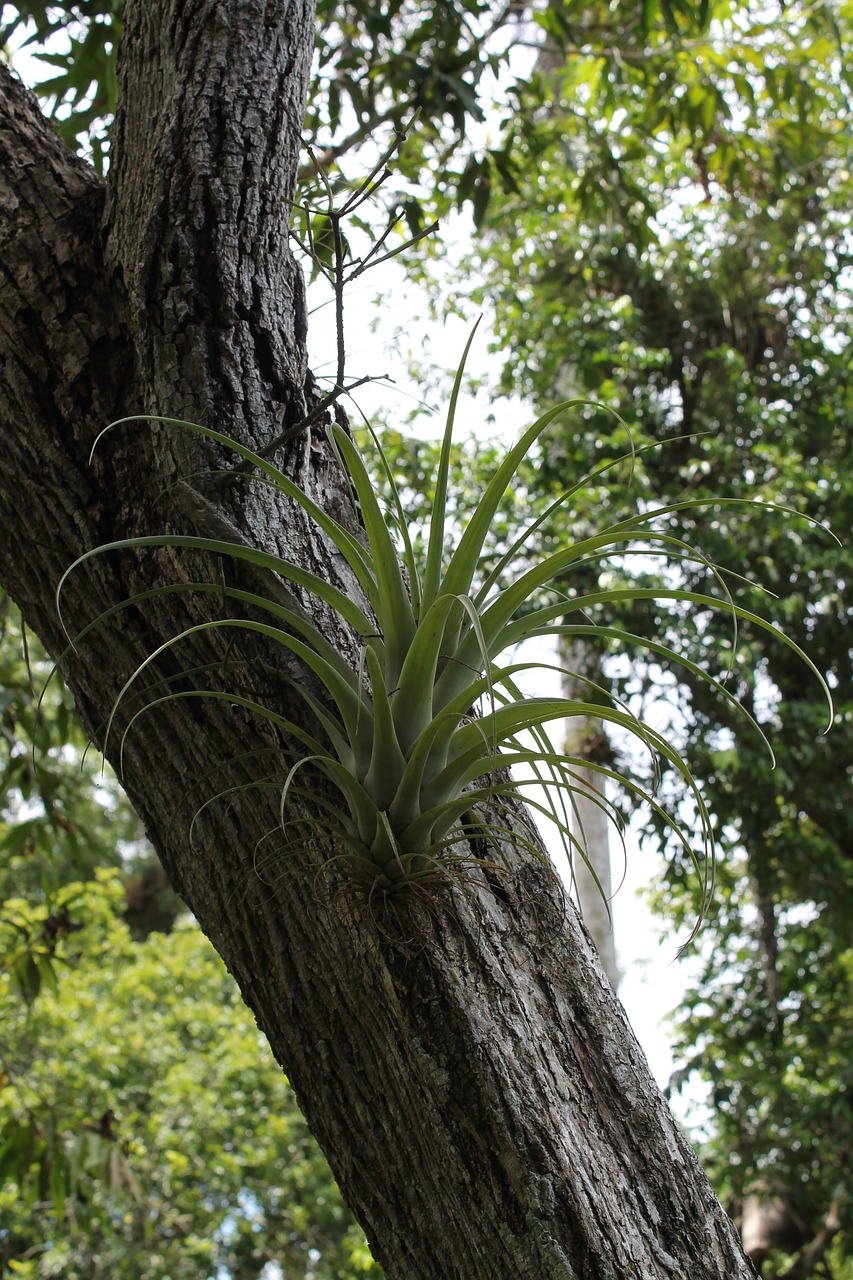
{"x":688,"y":264}
{"x":184,"y":1152}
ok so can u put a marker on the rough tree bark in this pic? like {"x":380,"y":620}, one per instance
{"x":469,"y":1073}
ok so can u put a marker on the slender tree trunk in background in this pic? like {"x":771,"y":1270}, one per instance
{"x":585,"y":738}
{"x":469,"y":1073}
{"x":592,"y":878}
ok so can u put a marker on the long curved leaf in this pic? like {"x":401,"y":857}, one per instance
{"x":345,"y":542}
{"x":466,"y":557}
{"x":394,"y":607}
{"x":432,"y":583}
{"x":341,"y":603}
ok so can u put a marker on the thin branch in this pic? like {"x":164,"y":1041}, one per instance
{"x":370,"y":261}
{"x":339,"y":298}
{"x":317,"y":412}
{"x":328,"y":157}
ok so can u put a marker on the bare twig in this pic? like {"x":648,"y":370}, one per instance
{"x":317,"y":412}
{"x":327,"y":158}
{"x":338,"y":276}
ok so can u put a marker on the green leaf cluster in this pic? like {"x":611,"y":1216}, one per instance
{"x":378,"y":67}
{"x":145,"y":1130}
{"x":421,"y":733}
{"x":60,"y":810}
{"x":78,"y":40}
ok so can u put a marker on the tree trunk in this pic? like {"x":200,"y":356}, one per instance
{"x":586,"y":738}
{"x":467,"y":1070}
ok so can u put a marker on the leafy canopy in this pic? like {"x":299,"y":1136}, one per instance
{"x":145,"y":1130}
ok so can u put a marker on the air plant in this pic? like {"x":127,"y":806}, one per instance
{"x":417,"y":738}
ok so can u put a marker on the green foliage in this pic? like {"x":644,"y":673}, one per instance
{"x":612,"y":84}
{"x":683,"y":256}
{"x":773,"y":1043}
{"x":378,"y":67}
{"x":382,"y":65}
{"x":144,"y":1129}
{"x":79,"y":41}
{"x":126,"y":1070}
{"x":61,"y":814}
{"x":667,"y":212}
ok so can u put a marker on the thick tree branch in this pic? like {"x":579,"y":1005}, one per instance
{"x":468,"y":1071}
{"x":63,"y":353}
{"x":206,"y":146}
